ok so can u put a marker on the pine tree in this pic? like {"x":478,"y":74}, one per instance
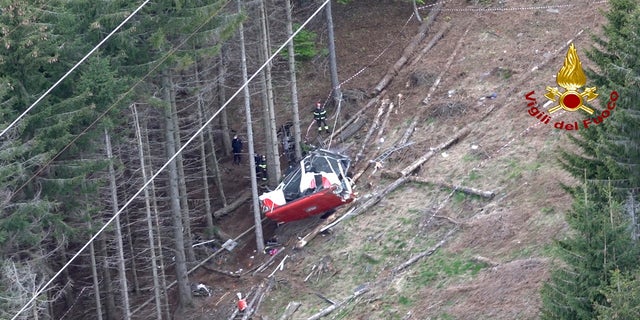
{"x":609,"y":163}
{"x":623,"y":297}
{"x":599,"y":244}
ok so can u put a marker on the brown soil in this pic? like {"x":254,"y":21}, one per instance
{"x":509,"y":153}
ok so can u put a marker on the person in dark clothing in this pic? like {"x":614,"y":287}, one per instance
{"x":261,"y":167}
{"x":236,"y":145}
{"x":320,"y":115}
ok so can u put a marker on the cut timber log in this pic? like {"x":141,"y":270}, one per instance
{"x":267,"y":263}
{"x":254,"y":305}
{"x":373,"y":127}
{"x":426,"y":253}
{"x":351,"y":130}
{"x":412,"y":167}
{"x":355,"y":116}
{"x":292,"y":307}
{"x":408,"y":50}
{"x":467,"y":190}
{"x":446,"y":66}
{"x":409,"y":131}
{"x":431,"y":43}
{"x":333,"y":307}
{"x":244,"y":197}
{"x":359,"y":173}
{"x":384,"y":121}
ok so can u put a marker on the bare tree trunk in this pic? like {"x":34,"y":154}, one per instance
{"x":213,"y":160}
{"x":333,"y":64}
{"x":203,"y":165}
{"x":182,"y":184}
{"x":213,"y":163}
{"x":294,"y":86}
{"x":222,"y":98}
{"x":154,"y":204}
{"x":247,"y":107}
{"x":126,"y":312}
{"x":271,"y":142}
{"x":184,"y":292}
{"x":110,"y":301}
{"x":94,"y":276}
{"x":134,"y":267}
{"x":152,"y":249}
{"x":415,"y":11}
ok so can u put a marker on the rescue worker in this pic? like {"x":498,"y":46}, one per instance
{"x":261,"y":166}
{"x":320,"y":115}
{"x":236,"y":146}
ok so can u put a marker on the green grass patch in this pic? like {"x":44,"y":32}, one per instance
{"x":547,"y":210}
{"x":470,"y":157}
{"x":441,"y":266}
{"x":404,"y":301}
{"x":473,"y":175}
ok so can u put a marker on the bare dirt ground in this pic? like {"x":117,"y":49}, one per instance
{"x":500,"y":250}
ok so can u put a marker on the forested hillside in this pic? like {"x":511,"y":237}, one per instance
{"x":121,"y":197}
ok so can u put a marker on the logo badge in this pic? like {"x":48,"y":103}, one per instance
{"x":571,"y":77}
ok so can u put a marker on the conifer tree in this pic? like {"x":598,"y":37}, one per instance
{"x":609,"y":165}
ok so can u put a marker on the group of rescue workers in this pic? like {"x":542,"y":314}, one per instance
{"x":319,"y":116}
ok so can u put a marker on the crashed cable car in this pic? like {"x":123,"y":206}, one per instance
{"x":318,"y":185}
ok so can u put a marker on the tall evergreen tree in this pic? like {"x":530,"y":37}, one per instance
{"x":609,"y":164}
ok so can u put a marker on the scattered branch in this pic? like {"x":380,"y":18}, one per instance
{"x":292,"y":307}
{"x":426,"y":253}
{"x":467,"y":190}
{"x":333,"y":307}
{"x":372,"y":128}
{"x":244,"y":197}
{"x":408,"y":50}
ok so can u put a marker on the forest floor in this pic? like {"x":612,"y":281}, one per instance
{"x":496,"y":253}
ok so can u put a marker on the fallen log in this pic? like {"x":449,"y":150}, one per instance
{"x":362,"y":171}
{"x":457,"y":223}
{"x":321,"y":296}
{"x":372,"y":128}
{"x":408,"y":50}
{"x":431,"y":43}
{"x":375,"y":198}
{"x":254,"y":305}
{"x":352,"y":129}
{"x":446,"y":66}
{"x":226,"y":273}
{"x":385,"y":121}
{"x":467,"y":190}
{"x":244,"y":197}
{"x":371,"y":102}
{"x":426,"y":253}
{"x":291,"y":308}
{"x":279,"y":266}
{"x":409,"y":131}
{"x":412,"y":167}
{"x":267,"y":263}
{"x":333,"y":307}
